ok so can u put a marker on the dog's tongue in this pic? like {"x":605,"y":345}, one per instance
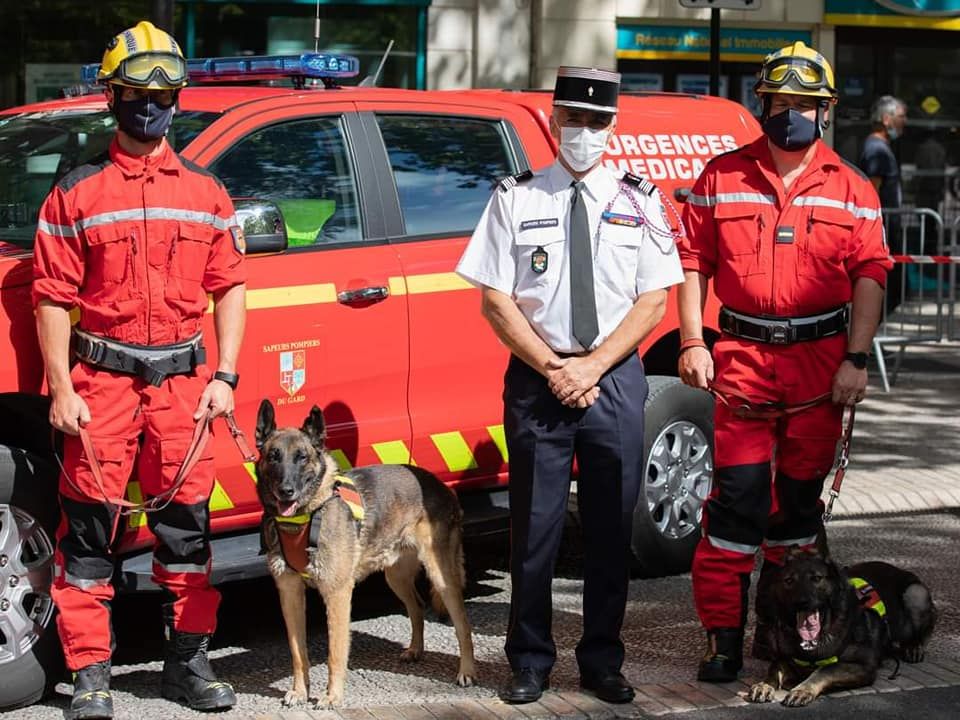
{"x":289,"y":510}
{"x":808,"y":627}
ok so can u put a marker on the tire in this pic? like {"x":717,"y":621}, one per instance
{"x":31,"y":659}
{"x":678,"y":475}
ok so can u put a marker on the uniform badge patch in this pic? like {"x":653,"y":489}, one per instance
{"x":239,"y":241}
{"x":621,"y":219}
{"x":538,"y":261}
{"x":784,"y":235}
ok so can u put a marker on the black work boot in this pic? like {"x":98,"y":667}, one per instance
{"x":91,"y":693}
{"x":724,"y":656}
{"x":188,"y":677}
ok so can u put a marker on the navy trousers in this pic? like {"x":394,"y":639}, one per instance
{"x":543,"y":437}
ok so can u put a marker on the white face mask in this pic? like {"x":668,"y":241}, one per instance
{"x":582,"y":147}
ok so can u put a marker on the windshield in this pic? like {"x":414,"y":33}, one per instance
{"x":38,"y":148}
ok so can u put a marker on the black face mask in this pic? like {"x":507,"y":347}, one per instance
{"x":143,"y":118}
{"x":791,"y":131}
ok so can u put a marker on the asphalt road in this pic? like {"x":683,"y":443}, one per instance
{"x":662,"y":634}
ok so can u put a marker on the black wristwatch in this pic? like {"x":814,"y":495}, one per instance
{"x":230,"y":379}
{"x":857,"y":359}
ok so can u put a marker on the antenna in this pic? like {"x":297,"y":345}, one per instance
{"x":316,"y":30}
{"x":371,"y":81}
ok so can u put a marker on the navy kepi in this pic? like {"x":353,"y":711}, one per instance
{"x":587,"y":89}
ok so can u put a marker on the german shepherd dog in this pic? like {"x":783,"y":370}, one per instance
{"x":831,"y":629}
{"x":409,"y":518}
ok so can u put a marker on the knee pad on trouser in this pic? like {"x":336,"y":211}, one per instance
{"x":82,"y":587}
{"x":799,"y":520}
{"x":181,"y":565}
{"x":735,"y":519}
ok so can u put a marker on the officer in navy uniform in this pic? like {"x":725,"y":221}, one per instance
{"x":574,"y":262}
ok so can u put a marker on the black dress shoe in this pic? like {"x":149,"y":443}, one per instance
{"x":525,"y":685}
{"x":611,"y":688}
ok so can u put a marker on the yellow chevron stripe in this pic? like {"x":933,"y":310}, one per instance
{"x":251,"y":469}
{"x":455,"y":451}
{"x":219,"y":500}
{"x":138,"y":519}
{"x":499,"y":439}
{"x":340,"y":459}
{"x":436,"y":282}
{"x":394,"y":452}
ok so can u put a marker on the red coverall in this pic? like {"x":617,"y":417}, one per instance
{"x":135,"y":243}
{"x":831,"y":235}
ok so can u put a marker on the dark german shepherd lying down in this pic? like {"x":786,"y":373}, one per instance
{"x":834,"y":628}
{"x":407,"y":518}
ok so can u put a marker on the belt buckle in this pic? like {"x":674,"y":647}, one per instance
{"x":779,"y":333}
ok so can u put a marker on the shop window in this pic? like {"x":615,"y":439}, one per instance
{"x":445,"y":169}
{"x":304,"y":167}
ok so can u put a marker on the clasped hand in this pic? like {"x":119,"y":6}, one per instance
{"x":574,"y":380}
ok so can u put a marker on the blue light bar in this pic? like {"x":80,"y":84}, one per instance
{"x":257,"y":67}
{"x":265,"y":67}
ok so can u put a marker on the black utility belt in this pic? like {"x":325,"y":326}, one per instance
{"x":153,"y":363}
{"x":783,"y":330}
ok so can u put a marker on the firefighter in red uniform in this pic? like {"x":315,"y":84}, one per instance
{"x":793,"y":239}
{"x":135,"y":241}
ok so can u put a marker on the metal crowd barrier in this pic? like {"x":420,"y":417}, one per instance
{"x":918,"y":307}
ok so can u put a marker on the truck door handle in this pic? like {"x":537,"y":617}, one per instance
{"x":363,"y":295}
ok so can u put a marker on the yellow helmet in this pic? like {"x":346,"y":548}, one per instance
{"x":796,"y":70}
{"x":144,"y":57}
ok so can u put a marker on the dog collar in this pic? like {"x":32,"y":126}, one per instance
{"x":816,"y":663}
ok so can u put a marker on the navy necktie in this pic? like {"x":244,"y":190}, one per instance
{"x":583,"y":301}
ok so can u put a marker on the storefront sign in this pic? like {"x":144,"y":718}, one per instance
{"x":935,"y":14}
{"x":667,"y":42}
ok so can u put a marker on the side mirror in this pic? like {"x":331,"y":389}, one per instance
{"x":263,"y":226}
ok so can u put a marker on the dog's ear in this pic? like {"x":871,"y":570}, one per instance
{"x":266,"y":423}
{"x":315,"y":428}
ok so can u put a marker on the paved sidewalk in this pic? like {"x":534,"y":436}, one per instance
{"x":905,"y":458}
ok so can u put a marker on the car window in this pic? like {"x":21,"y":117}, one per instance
{"x":445,"y":169}
{"x":39,"y":148}
{"x":302,"y":166}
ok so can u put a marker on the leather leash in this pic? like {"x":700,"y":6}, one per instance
{"x":743,"y":407}
{"x":842,"y":463}
{"x":201,"y":435}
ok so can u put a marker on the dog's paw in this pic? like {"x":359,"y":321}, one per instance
{"x":912,"y":653}
{"x":464,"y":680}
{"x":293,"y":698}
{"x":799,"y":696}
{"x":411,"y":654}
{"x":330,"y":700}
{"x":761,"y":692}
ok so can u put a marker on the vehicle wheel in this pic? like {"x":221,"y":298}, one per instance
{"x":31,"y":660}
{"x":678,"y":472}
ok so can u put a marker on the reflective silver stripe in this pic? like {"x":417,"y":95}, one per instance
{"x":85,"y":583}
{"x":737,"y":197}
{"x":194,"y":216}
{"x":802,"y":542}
{"x":732,"y":546}
{"x":183,"y":568}
{"x":63,"y":231}
{"x":742,"y":197}
{"x":820,"y":201}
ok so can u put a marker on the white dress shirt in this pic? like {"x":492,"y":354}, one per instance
{"x":520,"y":248}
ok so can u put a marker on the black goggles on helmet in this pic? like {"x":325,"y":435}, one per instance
{"x":806,"y":73}
{"x":157,"y":70}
